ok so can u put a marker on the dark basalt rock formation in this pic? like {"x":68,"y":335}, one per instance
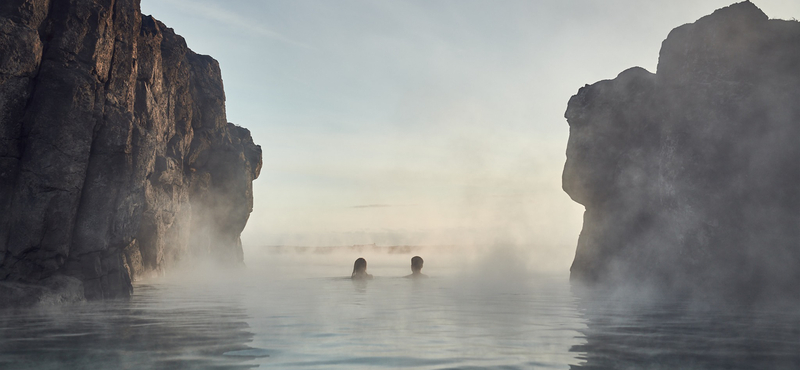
{"x":691,"y":176}
{"x":116,"y":159}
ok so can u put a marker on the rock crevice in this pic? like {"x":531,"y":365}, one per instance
{"x":690,"y":175}
{"x":117,"y":160}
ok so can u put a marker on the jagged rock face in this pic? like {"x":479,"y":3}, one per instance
{"x":116,"y":159}
{"x":691,"y":176}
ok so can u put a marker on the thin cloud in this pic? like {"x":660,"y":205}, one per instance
{"x":382,"y":205}
{"x":373,"y":206}
{"x":231,"y":19}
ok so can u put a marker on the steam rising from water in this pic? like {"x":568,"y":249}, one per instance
{"x":503,"y":263}
{"x":297,"y":308}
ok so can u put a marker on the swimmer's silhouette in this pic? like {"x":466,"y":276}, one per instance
{"x":360,"y":270}
{"x":416,"y":268}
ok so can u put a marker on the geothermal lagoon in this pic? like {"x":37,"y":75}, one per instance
{"x":301,"y":310}
{"x":650,"y":221}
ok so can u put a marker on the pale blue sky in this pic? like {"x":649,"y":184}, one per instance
{"x":446,"y":114}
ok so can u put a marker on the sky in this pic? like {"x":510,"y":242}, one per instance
{"x":431,"y":122}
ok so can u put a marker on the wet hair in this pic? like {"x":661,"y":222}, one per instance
{"x":416,"y":263}
{"x":359,"y":266}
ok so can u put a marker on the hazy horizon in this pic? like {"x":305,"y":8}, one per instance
{"x":416,"y":122}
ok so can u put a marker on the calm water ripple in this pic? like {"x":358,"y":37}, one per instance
{"x":436,"y":323}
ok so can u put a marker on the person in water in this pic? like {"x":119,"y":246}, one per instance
{"x":416,"y":268}
{"x":360,"y":270}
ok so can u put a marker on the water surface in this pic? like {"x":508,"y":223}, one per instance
{"x":450,"y":321}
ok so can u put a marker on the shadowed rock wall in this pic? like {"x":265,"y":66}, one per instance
{"x":116,"y":158}
{"x":691,"y":176}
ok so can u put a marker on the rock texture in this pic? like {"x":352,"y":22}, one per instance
{"x":691,"y":176}
{"x":116,"y":159}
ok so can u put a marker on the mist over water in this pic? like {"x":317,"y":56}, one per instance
{"x":443,"y":138}
{"x":295,"y":307}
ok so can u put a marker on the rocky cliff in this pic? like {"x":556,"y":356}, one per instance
{"x":116,"y":158}
{"x":691,"y":176}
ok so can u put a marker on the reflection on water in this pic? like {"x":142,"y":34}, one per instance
{"x":668,"y":335}
{"x":159,"y":328}
{"x":437,"y":323}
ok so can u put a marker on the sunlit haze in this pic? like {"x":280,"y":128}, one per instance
{"x":420,"y":122}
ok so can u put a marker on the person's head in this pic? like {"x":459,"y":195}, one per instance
{"x":360,"y":266}
{"x":416,"y":263}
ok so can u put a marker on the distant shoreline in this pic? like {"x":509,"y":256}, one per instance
{"x":394,"y":249}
